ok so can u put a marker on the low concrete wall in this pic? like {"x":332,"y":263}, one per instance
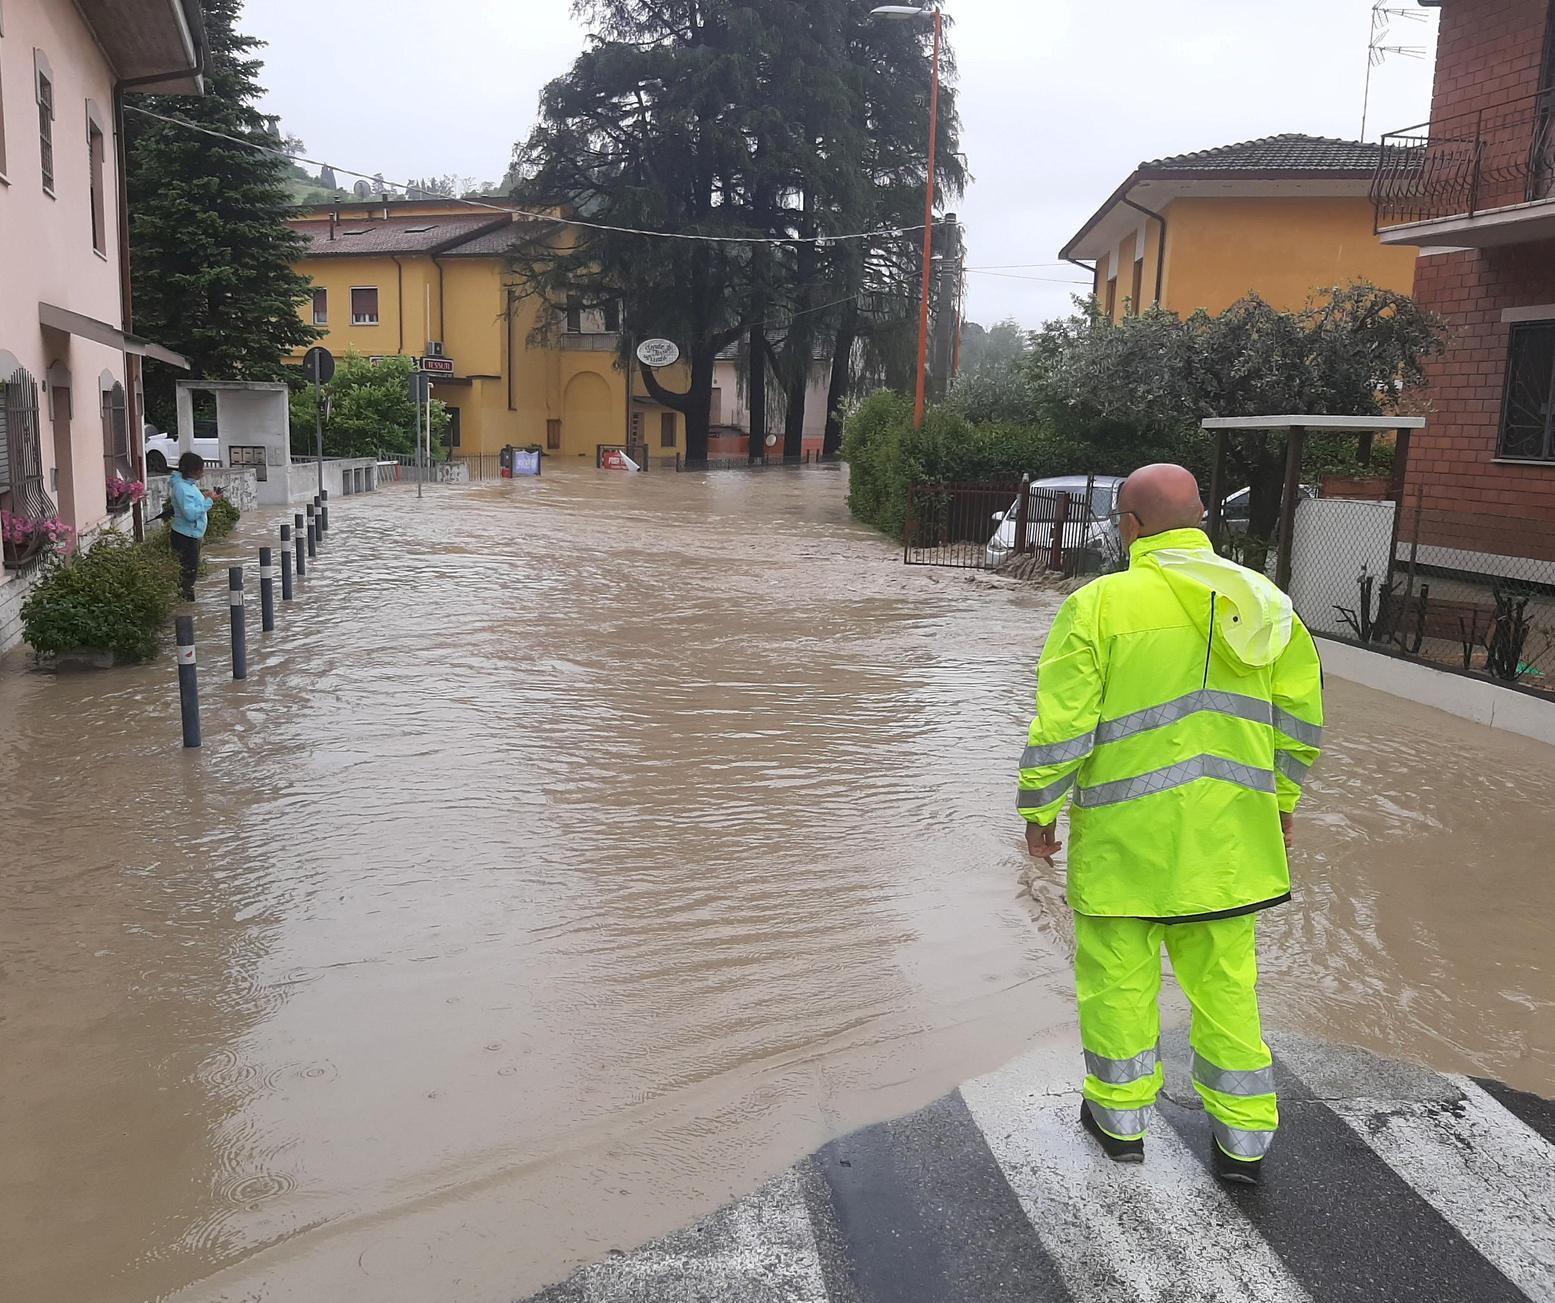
{"x":1457,"y":694}
{"x":239,"y":483}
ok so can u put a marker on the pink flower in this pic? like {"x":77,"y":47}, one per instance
{"x":119,"y":487}
{"x":23,"y":529}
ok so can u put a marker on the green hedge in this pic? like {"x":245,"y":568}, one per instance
{"x":222,"y":520}
{"x":886,"y":455}
{"x":115,"y":596}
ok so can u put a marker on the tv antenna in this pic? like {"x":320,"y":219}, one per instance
{"x":1378,"y":49}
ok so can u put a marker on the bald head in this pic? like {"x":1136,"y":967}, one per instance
{"x":1162,"y":497}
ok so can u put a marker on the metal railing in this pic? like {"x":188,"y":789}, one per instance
{"x":1006,"y":525}
{"x":1493,"y":158}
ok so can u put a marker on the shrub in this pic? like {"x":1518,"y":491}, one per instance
{"x":222,"y":520}
{"x":115,"y":596}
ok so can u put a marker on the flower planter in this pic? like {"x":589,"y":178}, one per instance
{"x":120,"y":503}
{"x":18,"y":556}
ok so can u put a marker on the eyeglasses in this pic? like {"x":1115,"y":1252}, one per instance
{"x":1116,"y":517}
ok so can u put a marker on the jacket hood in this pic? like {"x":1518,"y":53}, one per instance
{"x":1252,"y":617}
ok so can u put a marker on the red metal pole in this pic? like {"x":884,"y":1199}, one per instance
{"x":928,"y":233}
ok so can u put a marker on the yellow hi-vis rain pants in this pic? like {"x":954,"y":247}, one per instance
{"x":1118,"y":982}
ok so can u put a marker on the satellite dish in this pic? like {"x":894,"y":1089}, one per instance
{"x":362,"y":190}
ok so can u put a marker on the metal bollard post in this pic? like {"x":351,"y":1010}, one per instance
{"x":324,"y":512}
{"x":286,"y":563}
{"x":239,"y":622}
{"x":266,"y":590}
{"x":301,"y":538}
{"x":313,"y":532}
{"x":188,"y":683}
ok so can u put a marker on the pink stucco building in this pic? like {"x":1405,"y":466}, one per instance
{"x":69,"y":368}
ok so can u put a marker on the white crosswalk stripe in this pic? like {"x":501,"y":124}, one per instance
{"x":758,"y":1250}
{"x":1163,"y":1232}
{"x":1486,"y":1172}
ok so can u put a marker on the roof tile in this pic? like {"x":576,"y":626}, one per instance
{"x":1290,"y":152}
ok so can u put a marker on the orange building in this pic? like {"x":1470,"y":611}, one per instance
{"x":1283,"y":217}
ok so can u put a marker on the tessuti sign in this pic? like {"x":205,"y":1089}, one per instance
{"x":658,"y":352}
{"x":443,"y":366}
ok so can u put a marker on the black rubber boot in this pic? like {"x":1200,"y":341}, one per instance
{"x":1236,"y":1170}
{"x":1120,"y":1151}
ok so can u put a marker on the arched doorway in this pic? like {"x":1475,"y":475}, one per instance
{"x":590,"y":416}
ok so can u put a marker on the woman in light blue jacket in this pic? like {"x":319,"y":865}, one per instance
{"x":191,"y":505}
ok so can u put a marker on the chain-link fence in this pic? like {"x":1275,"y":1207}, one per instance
{"x":1425,"y":573}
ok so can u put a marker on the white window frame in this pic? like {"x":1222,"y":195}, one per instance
{"x":323,"y":320}
{"x":378,"y":314}
{"x":97,"y":179}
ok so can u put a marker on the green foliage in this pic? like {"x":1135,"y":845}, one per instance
{"x":776,"y":120}
{"x":222,"y":519}
{"x":212,"y":255}
{"x":1094,"y":397}
{"x":116,"y":596}
{"x":993,"y":348}
{"x":370,"y":411}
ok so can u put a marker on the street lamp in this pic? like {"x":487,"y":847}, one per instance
{"x":899,"y":12}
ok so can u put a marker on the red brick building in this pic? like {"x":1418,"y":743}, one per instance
{"x":1474,"y":190}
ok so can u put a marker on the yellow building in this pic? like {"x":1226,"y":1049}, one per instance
{"x":418,"y":277}
{"x":1281,"y":217}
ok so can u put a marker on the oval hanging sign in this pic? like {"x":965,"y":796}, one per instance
{"x":658,"y":352}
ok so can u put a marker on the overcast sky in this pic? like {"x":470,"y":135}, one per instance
{"x":1060,"y":99}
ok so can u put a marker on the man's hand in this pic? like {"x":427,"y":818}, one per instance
{"x":1042,"y":841}
{"x":1288,"y":827}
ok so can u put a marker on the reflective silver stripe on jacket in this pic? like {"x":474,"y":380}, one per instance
{"x":1239,"y":1143}
{"x":1288,"y":724}
{"x":1058,"y":753}
{"x":1230,"y":1081}
{"x":1208,"y":700}
{"x":1294,"y":769}
{"x":1036,"y":798}
{"x":1124,"y":1123}
{"x":1178,"y":775}
{"x":1119,"y":1072}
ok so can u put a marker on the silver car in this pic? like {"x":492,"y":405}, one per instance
{"x":1099,"y":542}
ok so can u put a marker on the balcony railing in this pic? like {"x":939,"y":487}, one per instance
{"x":1474,"y":163}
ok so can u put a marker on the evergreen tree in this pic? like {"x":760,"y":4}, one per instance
{"x":211,"y":254}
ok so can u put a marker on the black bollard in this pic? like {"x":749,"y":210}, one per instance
{"x":239,"y":622}
{"x":188,"y":683}
{"x":324,"y":512}
{"x":301,"y":537}
{"x":286,"y":563}
{"x":313,"y":531}
{"x":266,"y":590}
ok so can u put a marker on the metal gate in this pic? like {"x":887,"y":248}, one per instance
{"x":989,"y":526}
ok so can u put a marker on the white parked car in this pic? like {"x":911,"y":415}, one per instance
{"x":1101,"y":543}
{"x":162,"y":450}
{"x":1234,"y":508}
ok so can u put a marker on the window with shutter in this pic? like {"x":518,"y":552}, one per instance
{"x":364,"y":306}
{"x":46,"y":130}
{"x":26,"y":494}
{"x":116,"y":435}
{"x":321,"y":307}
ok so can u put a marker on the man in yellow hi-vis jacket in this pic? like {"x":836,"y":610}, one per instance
{"x":1179,"y":710}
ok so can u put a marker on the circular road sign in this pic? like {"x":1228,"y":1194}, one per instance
{"x":319,"y":365}
{"x":658,"y":352}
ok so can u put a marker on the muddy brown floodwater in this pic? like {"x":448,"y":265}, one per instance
{"x":581,"y":852}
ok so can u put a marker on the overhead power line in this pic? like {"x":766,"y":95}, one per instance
{"x":539,"y":217}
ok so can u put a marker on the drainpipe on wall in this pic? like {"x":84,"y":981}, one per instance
{"x":399,"y":298}
{"x":1160,"y":251}
{"x":442,"y":305}
{"x":134,"y":416}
